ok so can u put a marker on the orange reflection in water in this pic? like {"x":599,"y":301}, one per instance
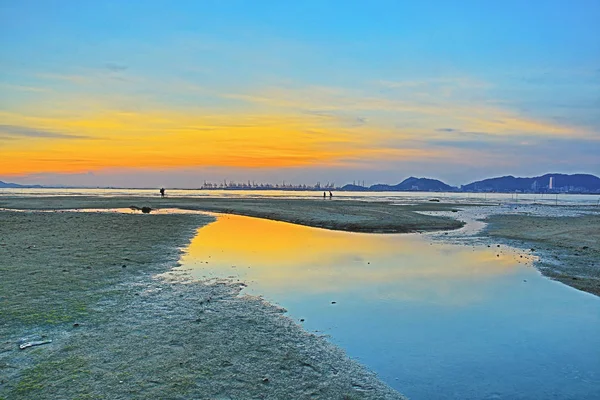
{"x":282,"y":256}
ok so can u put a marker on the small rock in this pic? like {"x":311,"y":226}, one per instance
{"x":76,"y":325}
{"x":265,"y":380}
{"x":532,"y":249}
{"x":585,"y":248}
{"x":123,"y":266}
{"x":333,"y":302}
{"x":301,"y":319}
{"x":498,"y":246}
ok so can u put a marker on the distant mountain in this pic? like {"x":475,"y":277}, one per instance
{"x":353,"y":188}
{"x":409,"y":184}
{"x":424,"y":185}
{"x":582,"y":183}
{"x":8,"y":185}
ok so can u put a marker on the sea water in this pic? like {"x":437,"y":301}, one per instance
{"x":433,"y":320}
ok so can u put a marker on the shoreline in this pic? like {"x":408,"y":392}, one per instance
{"x":119,"y":330}
{"x":566,"y":239}
{"x":346,"y":215}
{"x":130,"y":314}
{"x":572,"y":264}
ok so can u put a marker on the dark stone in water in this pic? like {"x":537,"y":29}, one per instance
{"x":145,"y":209}
{"x":123,"y":266}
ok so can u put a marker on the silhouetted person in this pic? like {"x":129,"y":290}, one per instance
{"x":162,"y":192}
{"x":324,"y":195}
{"x":330,"y":195}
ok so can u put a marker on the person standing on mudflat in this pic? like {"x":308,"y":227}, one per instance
{"x":162,"y":192}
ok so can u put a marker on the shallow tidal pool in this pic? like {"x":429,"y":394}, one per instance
{"x":433,"y":320}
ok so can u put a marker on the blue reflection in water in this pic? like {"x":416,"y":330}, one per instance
{"x":434,"y":321}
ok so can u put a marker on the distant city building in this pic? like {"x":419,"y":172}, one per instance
{"x":534,"y":186}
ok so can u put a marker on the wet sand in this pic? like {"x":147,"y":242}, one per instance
{"x":87,"y":281}
{"x":559,"y":235}
{"x":565,"y":239}
{"x":568,"y":247}
{"x":344,"y":215}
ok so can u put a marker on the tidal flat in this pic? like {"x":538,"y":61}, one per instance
{"x":93,"y":283}
{"x":343,"y":215}
{"x":87,"y":281}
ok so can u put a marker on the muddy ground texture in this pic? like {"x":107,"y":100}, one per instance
{"x":344,"y":215}
{"x":568,"y":247}
{"x":87,"y":281}
{"x":564,"y":239}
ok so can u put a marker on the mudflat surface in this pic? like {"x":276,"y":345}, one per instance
{"x":569,"y":247}
{"x":345,"y":215}
{"x":87,"y":282}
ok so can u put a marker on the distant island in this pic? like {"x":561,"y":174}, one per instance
{"x":548,"y":183}
{"x":8,"y":185}
{"x":580,"y":183}
{"x":407,"y":185}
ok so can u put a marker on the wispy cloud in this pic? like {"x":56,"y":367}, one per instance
{"x":277,"y":126}
{"x":425,"y":113}
{"x":113,"y":67}
{"x":446,"y":130}
{"x":24,"y":131}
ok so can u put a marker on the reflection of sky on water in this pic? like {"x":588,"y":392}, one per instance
{"x":434,"y":321}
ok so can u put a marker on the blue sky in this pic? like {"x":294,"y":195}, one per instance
{"x":307,"y":91}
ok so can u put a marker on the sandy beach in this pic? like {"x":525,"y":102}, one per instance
{"x":565,"y":239}
{"x":353,"y":216}
{"x":88,"y":282}
{"x":568,"y":247}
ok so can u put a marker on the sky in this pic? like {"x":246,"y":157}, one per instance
{"x":162,"y":93}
